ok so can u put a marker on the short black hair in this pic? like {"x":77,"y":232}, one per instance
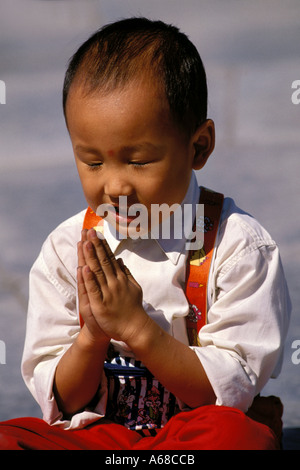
{"x":120,"y":51}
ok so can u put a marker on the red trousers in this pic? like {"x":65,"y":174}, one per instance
{"x":206,"y":428}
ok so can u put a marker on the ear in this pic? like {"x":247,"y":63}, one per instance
{"x":203,"y":142}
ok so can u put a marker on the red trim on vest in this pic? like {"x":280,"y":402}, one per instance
{"x":199,"y":264}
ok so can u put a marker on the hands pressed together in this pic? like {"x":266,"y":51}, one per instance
{"x":110,"y":303}
{"x":110,"y":299}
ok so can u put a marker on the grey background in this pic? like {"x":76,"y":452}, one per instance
{"x":251,"y":53}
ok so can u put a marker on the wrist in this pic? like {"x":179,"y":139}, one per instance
{"x":142,"y":340}
{"x":87,"y":343}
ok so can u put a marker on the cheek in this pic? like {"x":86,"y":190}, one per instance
{"x":172,"y":188}
{"x":91,"y":190}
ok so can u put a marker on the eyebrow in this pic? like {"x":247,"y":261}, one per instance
{"x":82,"y":148}
{"x":141,"y":146}
{"x":126,"y":148}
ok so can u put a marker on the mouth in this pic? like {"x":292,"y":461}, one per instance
{"x":120,"y":214}
{"x":127,"y":218}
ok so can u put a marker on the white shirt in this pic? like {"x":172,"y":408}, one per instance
{"x":248,"y":307}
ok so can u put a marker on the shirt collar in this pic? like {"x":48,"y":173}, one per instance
{"x":172,"y":247}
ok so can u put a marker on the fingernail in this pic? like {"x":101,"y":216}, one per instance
{"x":93,"y":233}
{"x":89,"y":246}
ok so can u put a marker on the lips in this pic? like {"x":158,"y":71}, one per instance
{"x":120,"y":214}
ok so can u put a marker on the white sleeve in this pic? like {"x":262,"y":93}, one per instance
{"x":242,"y":343}
{"x":52,"y":326}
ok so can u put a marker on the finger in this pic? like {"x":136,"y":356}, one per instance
{"x":127,"y":272}
{"x":106,"y":258}
{"x":92,"y":288}
{"x":84,"y":302}
{"x":93,"y":263}
{"x":80,"y":254}
{"x":121,"y":264}
{"x":82,"y":294}
{"x":84,"y":234}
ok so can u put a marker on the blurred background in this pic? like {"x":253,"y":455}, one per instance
{"x":251,"y":53}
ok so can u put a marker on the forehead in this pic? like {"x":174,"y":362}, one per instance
{"x":141,"y":98}
{"x":123,"y":118}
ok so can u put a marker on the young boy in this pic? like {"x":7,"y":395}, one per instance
{"x":135,"y":103}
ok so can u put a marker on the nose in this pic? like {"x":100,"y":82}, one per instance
{"x":118,"y":184}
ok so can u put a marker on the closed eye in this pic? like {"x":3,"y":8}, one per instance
{"x":138,"y":164}
{"x":93,"y":166}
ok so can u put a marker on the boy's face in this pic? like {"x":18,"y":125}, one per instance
{"x":126,"y":144}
